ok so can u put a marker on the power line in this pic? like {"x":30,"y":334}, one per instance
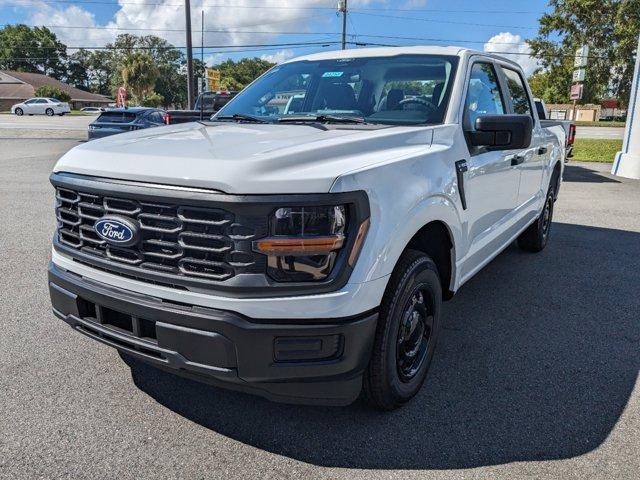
{"x":474,"y":24}
{"x":277,"y":7}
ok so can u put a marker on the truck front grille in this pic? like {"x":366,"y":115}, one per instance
{"x":176,"y":239}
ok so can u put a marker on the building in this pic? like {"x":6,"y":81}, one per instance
{"x":15,"y":87}
{"x":584,"y":113}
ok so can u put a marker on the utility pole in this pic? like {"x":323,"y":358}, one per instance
{"x":342,"y":8}
{"x":187,"y":13}
{"x":627,"y":162}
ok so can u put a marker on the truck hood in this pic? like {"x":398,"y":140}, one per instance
{"x":244,"y":158}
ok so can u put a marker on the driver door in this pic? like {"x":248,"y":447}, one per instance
{"x":491,"y":182}
{"x":39,"y":106}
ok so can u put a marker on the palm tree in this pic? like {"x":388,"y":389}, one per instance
{"x":139,"y":74}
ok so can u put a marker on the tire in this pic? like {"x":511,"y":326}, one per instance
{"x":406,"y":334}
{"x":18,"y":112}
{"x":535,"y":238}
{"x":49,"y":112}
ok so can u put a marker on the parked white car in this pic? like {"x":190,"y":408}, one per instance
{"x":306,"y":257}
{"x":41,"y":106}
{"x":92,"y":110}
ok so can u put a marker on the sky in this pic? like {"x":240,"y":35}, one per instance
{"x":234,"y":28}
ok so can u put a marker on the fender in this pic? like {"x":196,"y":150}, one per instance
{"x":397,"y":214}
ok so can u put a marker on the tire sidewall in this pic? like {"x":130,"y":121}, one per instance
{"x":49,"y":112}
{"x":544,"y":236}
{"x":422,"y":273}
{"x":19,"y":112}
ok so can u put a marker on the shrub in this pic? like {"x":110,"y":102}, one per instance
{"x":53,"y":92}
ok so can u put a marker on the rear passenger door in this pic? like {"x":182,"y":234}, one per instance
{"x":530,"y":161}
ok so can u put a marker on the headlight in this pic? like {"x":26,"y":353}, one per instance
{"x":304,"y":243}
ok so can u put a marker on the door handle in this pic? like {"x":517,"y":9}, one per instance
{"x":517,"y":160}
{"x":542,"y":150}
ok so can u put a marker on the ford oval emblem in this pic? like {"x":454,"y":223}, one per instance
{"x":117,"y":230}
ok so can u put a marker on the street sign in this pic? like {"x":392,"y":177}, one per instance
{"x":582,"y":57}
{"x":213,"y":79}
{"x":579,"y":75}
{"x":576,"y":91}
{"x":121,"y":99}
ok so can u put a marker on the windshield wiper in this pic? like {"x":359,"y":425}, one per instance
{"x":240,"y":117}
{"x":322,"y":119}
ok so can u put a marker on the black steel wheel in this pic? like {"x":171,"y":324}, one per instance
{"x":536,"y":236}
{"x":406,"y":334}
{"x":415,"y":334}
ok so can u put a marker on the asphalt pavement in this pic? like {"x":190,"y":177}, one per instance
{"x":535,"y":376}
{"x":600,"y":133}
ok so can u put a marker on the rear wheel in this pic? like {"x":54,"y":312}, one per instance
{"x":406,"y":335}
{"x":18,"y":112}
{"x":49,"y":112}
{"x":535,"y":238}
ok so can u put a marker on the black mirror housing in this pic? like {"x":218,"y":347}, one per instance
{"x":502,"y":132}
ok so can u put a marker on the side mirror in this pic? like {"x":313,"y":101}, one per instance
{"x":502,"y":132}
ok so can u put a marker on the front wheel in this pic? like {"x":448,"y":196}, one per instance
{"x":535,"y":238}
{"x":18,"y":112}
{"x":406,"y":335}
{"x":49,"y":112}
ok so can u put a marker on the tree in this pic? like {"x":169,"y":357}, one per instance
{"x":547,"y":86}
{"x":32,"y":49}
{"x":49,"y":91}
{"x":79,"y":69}
{"x":172,"y":79}
{"x":609,"y":27}
{"x":237,"y":75}
{"x":139,"y":74}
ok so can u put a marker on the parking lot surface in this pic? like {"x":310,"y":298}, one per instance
{"x":600,"y":133}
{"x":535,"y":376}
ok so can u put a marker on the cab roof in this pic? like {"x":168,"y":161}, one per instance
{"x":393,"y":51}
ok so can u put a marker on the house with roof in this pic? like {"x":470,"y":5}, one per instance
{"x":16,"y":87}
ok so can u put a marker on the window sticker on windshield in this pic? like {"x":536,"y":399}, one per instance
{"x":332,"y":74}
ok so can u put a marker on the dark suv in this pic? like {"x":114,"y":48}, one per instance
{"x":118,"y":120}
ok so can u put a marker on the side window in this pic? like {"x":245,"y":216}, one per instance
{"x":41,"y":100}
{"x":483,"y":94}
{"x":517,"y":92}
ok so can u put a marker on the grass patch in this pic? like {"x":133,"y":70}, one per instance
{"x":600,"y":124}
{"x":595,"y":150}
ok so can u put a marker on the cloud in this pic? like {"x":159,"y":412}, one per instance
{"x":227,"y":22}
{"x":278,"y":57}
{"x":515,"y":48}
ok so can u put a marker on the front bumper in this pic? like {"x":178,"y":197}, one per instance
{"x":310,"y":362}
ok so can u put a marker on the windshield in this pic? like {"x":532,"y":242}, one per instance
{"x":400,"y":90}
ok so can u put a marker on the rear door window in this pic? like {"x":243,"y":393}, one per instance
{"x":517,"y":92}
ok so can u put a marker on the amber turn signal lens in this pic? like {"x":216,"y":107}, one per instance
{"x":362,"y":233}
{"x":299,"y":245}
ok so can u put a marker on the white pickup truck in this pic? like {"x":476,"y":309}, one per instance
{"x":305,"y":256}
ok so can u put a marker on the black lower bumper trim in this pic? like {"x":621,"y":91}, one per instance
{"x":297,"y":362}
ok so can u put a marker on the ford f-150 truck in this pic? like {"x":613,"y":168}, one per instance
{"x":305,"y":256}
